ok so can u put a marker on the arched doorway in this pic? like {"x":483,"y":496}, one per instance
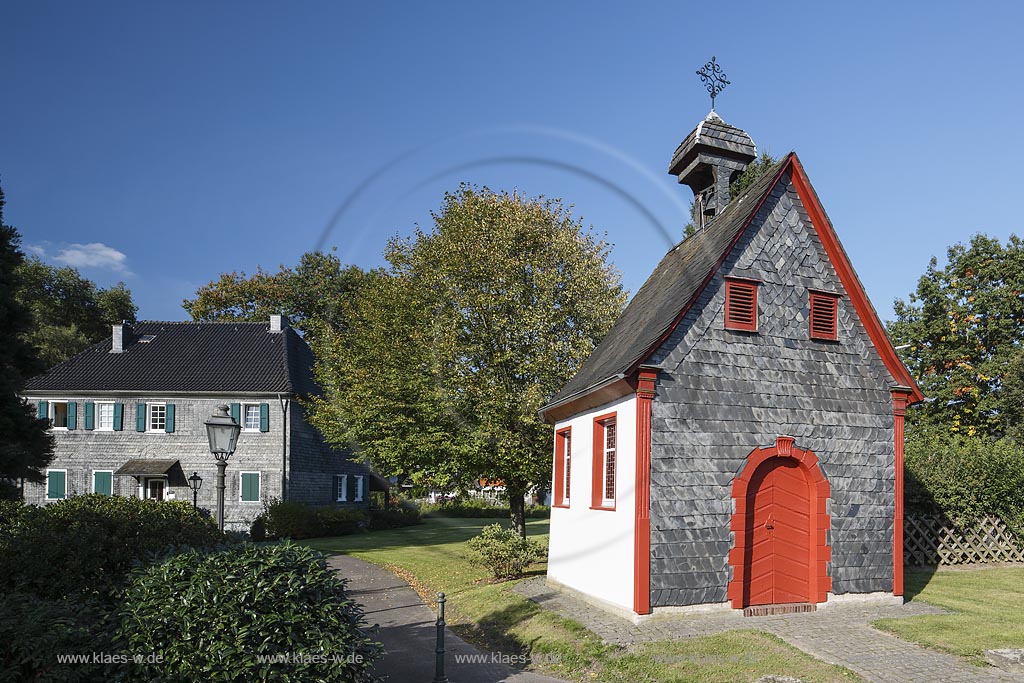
{"x":780,"y":525}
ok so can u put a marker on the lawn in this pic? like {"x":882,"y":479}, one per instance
{"x":987,"y":604}
{"x":432,"y":557}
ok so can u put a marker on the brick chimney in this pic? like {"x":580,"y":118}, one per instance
{"x":278,"y":322}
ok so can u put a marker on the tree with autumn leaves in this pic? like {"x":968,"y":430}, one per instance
{"x":962,"y":332}
{"x":451,"y":352}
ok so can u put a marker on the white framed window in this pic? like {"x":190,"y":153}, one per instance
{"x":59,"y":414}
{"x":359,"y":488}
{"x":56,"y":484}
{"x":156,"y":417}
{"x":251,"y":417}
{"x":249,"y":487}
{"x":103,"y":482}
{"x":341,"y":488}
{"x":104,"y":417}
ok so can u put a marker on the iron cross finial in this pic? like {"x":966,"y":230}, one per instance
{"x":713,"y":79}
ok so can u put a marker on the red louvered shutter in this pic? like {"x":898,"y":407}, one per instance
{"x":824,"y":316}
{"x":741,"y":305}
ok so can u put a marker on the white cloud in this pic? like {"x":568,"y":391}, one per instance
{"x":36,"y":250}
{"x":92,"y":255}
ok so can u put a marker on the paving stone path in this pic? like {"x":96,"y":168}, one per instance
{"x":839,"y":634}
{"x":407,"y":629}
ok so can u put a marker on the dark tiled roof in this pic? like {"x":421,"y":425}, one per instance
{"x":669,"y":289}
{"x":712,"y":133}
{"x":190,"y":357}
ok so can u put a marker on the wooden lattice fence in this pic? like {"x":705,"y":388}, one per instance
{"x":931,"y":541}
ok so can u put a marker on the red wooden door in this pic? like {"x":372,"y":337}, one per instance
{"x":778,"y":534}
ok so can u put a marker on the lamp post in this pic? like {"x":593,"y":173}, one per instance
{"x":195,"y":482}
{"x":222,"y":431}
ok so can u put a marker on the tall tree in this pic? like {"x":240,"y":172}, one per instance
{"x":69,"y":312}
{"x":475,"y":325}
{"x":26,"y":446}
{"x":963,"y":328}
{"x":313,"y":294}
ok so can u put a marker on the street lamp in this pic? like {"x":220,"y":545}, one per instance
{"x":222,"y":431}
{"x":195,"y":482}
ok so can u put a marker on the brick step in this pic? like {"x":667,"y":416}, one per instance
{"x":787,"y":608}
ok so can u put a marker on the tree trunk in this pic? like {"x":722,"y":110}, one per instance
{"x":517,"y":508}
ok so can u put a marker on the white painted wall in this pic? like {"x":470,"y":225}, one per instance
{"x":592,"y":550}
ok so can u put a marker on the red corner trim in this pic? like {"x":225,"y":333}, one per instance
{"x":899,"y":409}
{"x":820,"y":552}
{"x":851,"y":283}
{"x":642,"y":524}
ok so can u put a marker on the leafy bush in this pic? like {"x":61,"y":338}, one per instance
{"x":289,"y":519}
{"x":34,"y":631}
{"x":406,"y":513}
{"x":478,"y":508}
{"x":212,"y":616}
{"x":964,"y":478}
{"x":335,"y":521}
{"x":504,"y":552}
{"x":87,"y":544}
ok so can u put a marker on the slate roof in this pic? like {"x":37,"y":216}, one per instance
{"x":715,"y":134}
{"x":189,"y":357}
{"x":668,"y":291}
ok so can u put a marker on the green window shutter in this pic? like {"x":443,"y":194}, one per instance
{"x":169,"y":423}
{"x":140,"y":417}
{"x":250,"y":487}
{"x":90,"y":415}
{"x":56,"y":485}
{"x":118,"y":417}
{"x":264,"y":417}
{"x":236,"y":412}
{"x":103,"y":482}
{"x":43,"y":411}
{"x":72,"y":415}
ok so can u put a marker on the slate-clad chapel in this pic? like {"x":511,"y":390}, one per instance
{"x":737,"y":438}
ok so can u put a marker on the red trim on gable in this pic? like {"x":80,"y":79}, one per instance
{"x":840,"y":261}
{"x":597,"y":465}
{"x":642,"y":521}
{"x":851,"y":283}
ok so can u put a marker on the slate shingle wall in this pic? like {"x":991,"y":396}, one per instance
{"x":313,"y":465}
{"x":725,"y":393}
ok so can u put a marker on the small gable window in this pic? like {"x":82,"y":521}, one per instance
{"x":741,"y":305}
{"x":824,"y":316}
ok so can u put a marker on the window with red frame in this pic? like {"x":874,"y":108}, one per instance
{"x":605,"y":450}
{"x":563,"y":466}
{"x":824,"y":316}
{"x":741,"y":305}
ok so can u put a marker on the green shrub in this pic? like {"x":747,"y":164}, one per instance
{"x":478,"y":508}
{"x":34,"y":631}
{"x":504,"y":552}
{"x":964,"y":478}
{"x":406,"y":513}
{"x":335,"y":521}
{"x":87,"y":544}
{"x":213,"y":616}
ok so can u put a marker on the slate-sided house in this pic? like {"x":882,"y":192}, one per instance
{"x":737,"y":438}
{"x":128,"y":416}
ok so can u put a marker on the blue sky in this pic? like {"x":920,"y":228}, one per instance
{"x":164,"y":143}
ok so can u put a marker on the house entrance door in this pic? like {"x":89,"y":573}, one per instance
{"x":155,"y":489}
{"x":778,"y":543}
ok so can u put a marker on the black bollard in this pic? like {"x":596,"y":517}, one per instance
{"x":439,"y":676}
